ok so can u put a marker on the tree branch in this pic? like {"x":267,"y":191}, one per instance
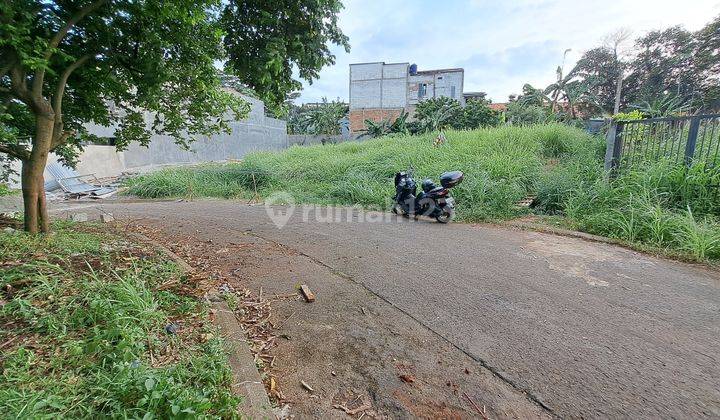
{"x":62,"y":82}
{"x":18,"y":85}
{"x":6,"y":69}
{"x":55,"y":41}
{"x":60,"y":139}
{"x":15,"y":150}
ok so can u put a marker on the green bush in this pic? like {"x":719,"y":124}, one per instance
{"x":443,"y":112}
{"x":519,"y":113}
{"x":477,"y":114}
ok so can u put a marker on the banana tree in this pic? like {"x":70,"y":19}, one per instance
{"x":556,"y":89}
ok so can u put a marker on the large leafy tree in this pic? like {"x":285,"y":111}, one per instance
{"x":144,"y":66}
{"x":600,"y":70}
{"x":268,"y":40}
{"x":665,"y":63}
{"x":707,"y":63}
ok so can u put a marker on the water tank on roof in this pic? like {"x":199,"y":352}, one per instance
{"x":413,"y":69}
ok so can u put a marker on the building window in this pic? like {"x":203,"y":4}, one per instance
{"x":422,"y":90}
{"x":452,"y":92}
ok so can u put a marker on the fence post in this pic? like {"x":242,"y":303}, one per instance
{"x":613,"y":146}
{"x":692,"y":140}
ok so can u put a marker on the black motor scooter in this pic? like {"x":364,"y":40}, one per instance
{"x":433,"y":201}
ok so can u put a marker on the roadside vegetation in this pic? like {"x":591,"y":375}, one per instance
{"x":502,"y":166}
{"x":661,"y":205}
{"x":658,"y":205}
{"x":83,"y":333}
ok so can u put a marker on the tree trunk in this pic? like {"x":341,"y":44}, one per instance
{"x":33,"y":182}
{"x":618,"y":93}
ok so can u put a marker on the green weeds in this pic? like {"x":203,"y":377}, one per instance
{"x":5,"y":190}
{"x":85,"y":334}
{"x":664,"y":205}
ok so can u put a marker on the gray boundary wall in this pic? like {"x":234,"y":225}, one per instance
{"x":257,"y":132}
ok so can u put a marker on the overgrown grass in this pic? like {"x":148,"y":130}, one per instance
{"x":83,"y":333}
{"x":660,"y":205}
{"x":667,"y":206}
{"x":502,"y":166}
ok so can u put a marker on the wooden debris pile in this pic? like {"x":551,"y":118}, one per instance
{"x":254,"y":313}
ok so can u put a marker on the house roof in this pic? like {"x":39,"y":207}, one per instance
{"x":437,"y":71}
{"x":499,"y":106}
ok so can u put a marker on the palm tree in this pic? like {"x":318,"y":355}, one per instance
{"x":381,"y":128}
{"x":665,"y":106}
{"x":580,"y":92}
{"x":557,"y":88}
{"x":532,"y":96}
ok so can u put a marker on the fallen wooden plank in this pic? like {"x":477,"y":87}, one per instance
{"x":307,"y":293}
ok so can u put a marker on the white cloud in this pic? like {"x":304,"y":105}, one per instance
{"x":501,"y":45}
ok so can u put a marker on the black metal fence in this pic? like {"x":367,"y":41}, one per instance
{"x":679,"y":139}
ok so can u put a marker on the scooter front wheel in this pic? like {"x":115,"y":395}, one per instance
{"x":445,"y":216}
{"x":399,"y":210}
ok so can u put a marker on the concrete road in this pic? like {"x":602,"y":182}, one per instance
{"x":585,"y":330}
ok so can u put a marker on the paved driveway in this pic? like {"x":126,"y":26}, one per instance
{"x":583,"y":329}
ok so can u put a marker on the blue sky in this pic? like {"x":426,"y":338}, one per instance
{"x":501,"y":44}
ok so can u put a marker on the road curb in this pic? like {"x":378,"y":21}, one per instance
{"x":246,"y":378}
{"x":247,"y":382}
{"x":564,"y":232}
{"x":647,"y":250}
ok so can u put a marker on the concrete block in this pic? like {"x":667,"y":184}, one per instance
{"x":107,"y":218}
{"x":79,"y":217}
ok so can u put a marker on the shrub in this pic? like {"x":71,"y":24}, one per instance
{"x":521,"y":114}
{"x":438,"y":113}
{"x":477,"y":114}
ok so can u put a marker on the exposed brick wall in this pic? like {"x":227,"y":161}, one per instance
{"x":358,"y":117}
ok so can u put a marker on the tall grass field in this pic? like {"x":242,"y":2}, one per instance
{"x":657,"y":204}
{"x":502,"y":166}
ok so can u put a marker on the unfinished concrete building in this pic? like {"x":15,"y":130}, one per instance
{"x":380,"y":91}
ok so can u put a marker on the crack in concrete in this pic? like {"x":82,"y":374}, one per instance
{"x":495,"y":371}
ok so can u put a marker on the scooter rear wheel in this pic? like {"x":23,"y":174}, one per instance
{"x":445,"y":216}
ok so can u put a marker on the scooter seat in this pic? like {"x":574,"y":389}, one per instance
{"x":435,"y":191}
